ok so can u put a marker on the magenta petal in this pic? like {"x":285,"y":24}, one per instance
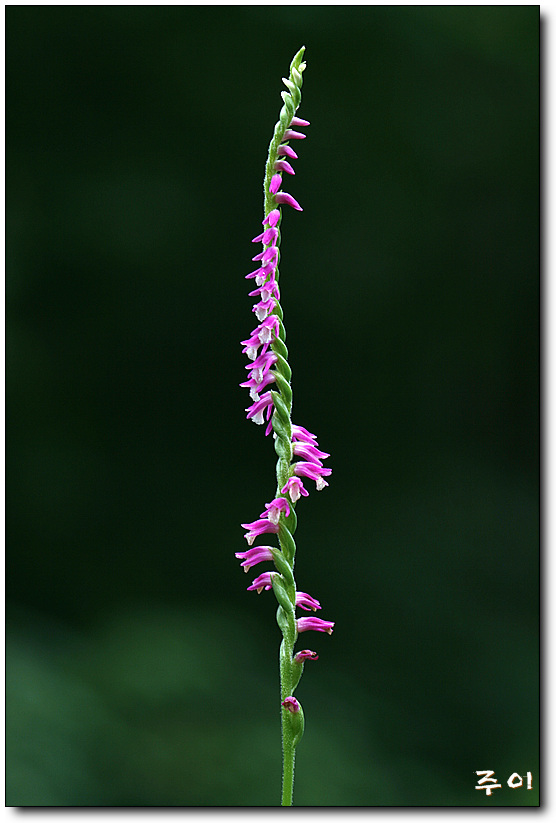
{"x":293,"y":135}
{"x":287,"y":199}
{"x":283,"y":165}
{"x":275,"y":183}
{"x":300,"y":433}
{"x":256,"y":411}
{"x":263,"y":271}
{"x":313,"y":470}
{"x":258,"y":527}
{"x":273,"y":509}
{"x":315,"y":624}
{"x":304,"y":655}
{"x":272,"y":217}
{"x":297,"y":121}
{"x":305,"y":601}
{"x":288,"y":151}
{"x":263,"y":581}
{"x":295,"y":488}
{"x":269,"y":236}
{"x":253,"y":556}
{"x":307,"y":451}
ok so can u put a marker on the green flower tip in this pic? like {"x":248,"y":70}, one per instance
{"x":296,"y":62}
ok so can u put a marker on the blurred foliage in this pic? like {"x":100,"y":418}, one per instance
{"x":140,"y":672}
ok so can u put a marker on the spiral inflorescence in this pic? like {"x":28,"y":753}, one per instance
{"x":269,"y":370}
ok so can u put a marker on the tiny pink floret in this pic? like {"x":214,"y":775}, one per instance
{"x":315,"y":624}
{"x":283,"y":165}
{"x":273,"y":509}
{"x":257,"y":527}
{"x":300,"y":433}
{"x":253,"y":556}
{"x":272,"y":218}
{"x":306,"y":602}
{"x":314,"y":471}
{"x":256,"y":411}
{"x":288,"y":151}
{"x":289,"y":134}
{"x":264,"y":308}
{"x":275,"y":183}
{"x":263,"y":581}
{"x":295,"y":488}
{"x":284,"y":198}
{"x":291,"y":704}
{"x":308,"y":452}
{"x":297,"y":121}
{"x":306,"y":654}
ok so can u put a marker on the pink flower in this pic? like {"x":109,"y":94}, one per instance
{"x":263,"y":581}
{"x":283,"y":165}
{"x":306,"y":602}
{"x":297,"y":121}
{"x":275,"y":183}
{"x":288,"y":151}
{"x":273,"y":509}
{"x":295,"y":488}
{"x":264,"y":308}
{"x":269,"y":325}
{"x":289,"y":134}
{"x":309,"y":452}
{"x":306,"y":654}
{"x":305,"y":624}
{"x":261,"y":273}
{"x":251,"y":346}
{"x":299,"y":433}
{"x":288,"y":200}
{"x":272,"y":217}
{"x":267,"y":289}
{"x":257,"y":527}
{"x":257,"y":386}
{"x":291,"y":704}
{"x":261,"y":365}
{"x":267,"y":237}
{"x":267,"y":255}
{"x":261,"y":335}
{"x":314,"y":471}
{"x":253,"y":556}
{"x":256,"y":411}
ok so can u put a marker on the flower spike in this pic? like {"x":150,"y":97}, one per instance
{"x":298,"y":451}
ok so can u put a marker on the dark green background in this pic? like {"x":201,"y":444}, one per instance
{"x":140,"y":671}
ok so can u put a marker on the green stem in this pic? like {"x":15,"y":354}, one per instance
{"x":288,"y":747}
{"x":288,"y":764}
